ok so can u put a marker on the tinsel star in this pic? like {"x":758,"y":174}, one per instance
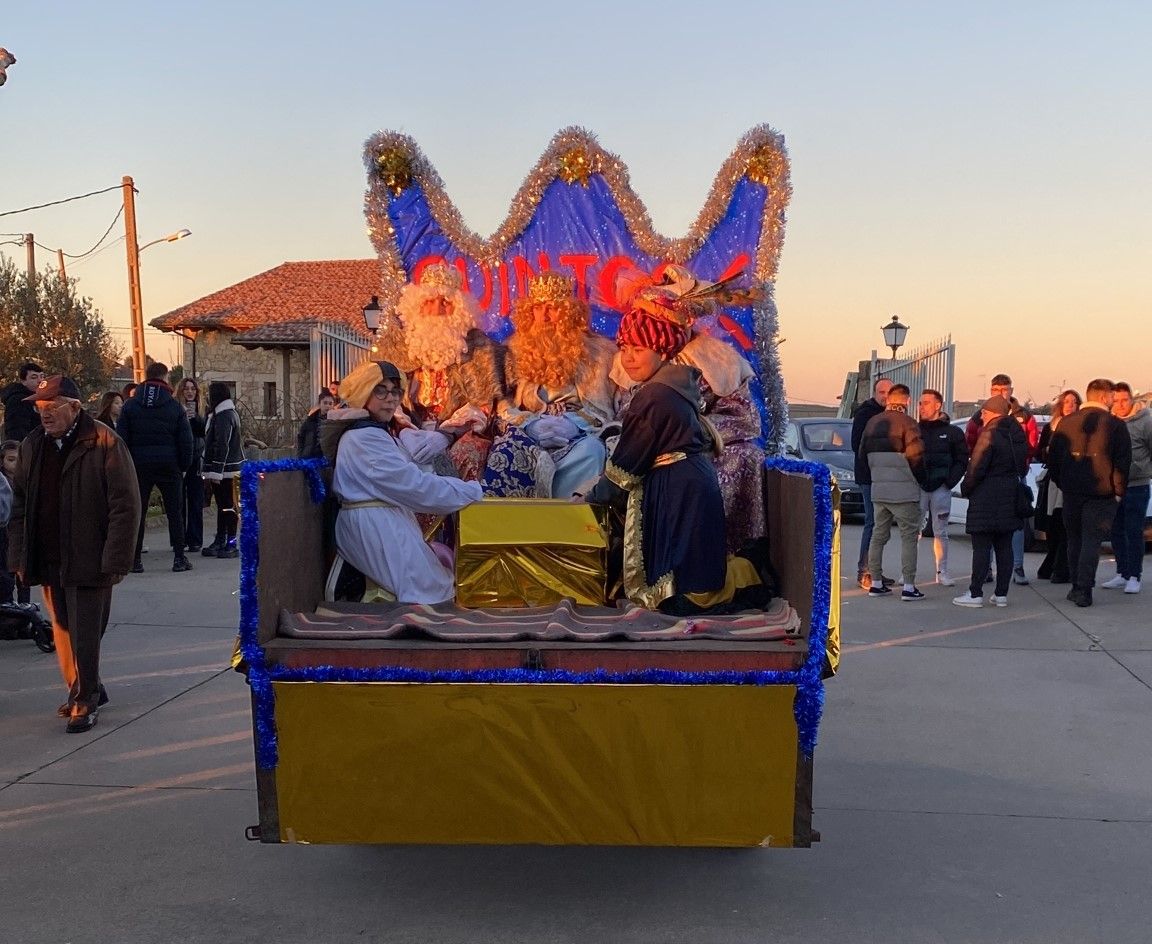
{"x":395,"y":168}
{"x":576,"y":166}
{"x":766,"y":165}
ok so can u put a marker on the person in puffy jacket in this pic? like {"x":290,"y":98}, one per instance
{"x":19,"y":416}
{"x":1128,"y":527}
{"x":998,"y":463}
{"x":223,"y":457}
{"x":945,"y":461}
{"x":895,"y":454}
{"x":156,"y":432}
{"x":871,"y":407}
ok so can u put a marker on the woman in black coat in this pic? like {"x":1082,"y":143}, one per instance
{"x":999,"y":461}
{"x":223,"y":457}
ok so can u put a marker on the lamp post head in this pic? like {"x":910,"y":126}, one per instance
{"x":372,"y":315}
{"x":179,"y":234}
{"x":894,"y":334}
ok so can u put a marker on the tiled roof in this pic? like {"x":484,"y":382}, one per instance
{"x":288,"y":332}
{"x":331,"y":291}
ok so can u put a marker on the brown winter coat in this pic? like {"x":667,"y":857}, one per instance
{"x":99,"y":508}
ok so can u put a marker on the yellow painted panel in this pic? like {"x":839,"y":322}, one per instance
{"x":708,"y":765}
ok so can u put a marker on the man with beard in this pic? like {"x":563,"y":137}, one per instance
{"x":562,"y":397}
{"x":454,"y":370}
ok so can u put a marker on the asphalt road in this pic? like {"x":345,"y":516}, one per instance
{"x":982,"y":776}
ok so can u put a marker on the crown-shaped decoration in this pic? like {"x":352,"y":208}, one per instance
{"x":551,"y":287}
{"x":442,"y":277}
{"x":394,"y":166}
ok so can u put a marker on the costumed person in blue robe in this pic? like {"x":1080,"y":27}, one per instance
{"x":675,"y":558}
{"x":381,"y":487}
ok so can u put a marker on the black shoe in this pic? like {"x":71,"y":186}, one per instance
{"x":213,"y":549}
{"x":887,"y":581}
{"x":137,"y":566}
{"x":65,"y":710}
{"x":1061,"y":578}
{"x":181,"y":564}
{"x":228,"y":552}
{"x":193,"y":548}
{"x":1080,"y":597}
{"x":879,"y":591}
{"x":78,"y":724}
{"x":910,"y":595}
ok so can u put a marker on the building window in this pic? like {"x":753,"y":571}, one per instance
{"x":269,"y":398}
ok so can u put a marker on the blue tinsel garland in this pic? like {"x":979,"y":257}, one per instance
{"x":809,"y":684}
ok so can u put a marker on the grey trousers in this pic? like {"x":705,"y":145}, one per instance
{"x":907,"y":518}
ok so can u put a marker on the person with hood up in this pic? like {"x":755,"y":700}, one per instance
{"x":381,"y":489}
{"x":156,"y":432}
{"x":1128,"y":526}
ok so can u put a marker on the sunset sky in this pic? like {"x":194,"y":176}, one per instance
{"x":981,"y":170}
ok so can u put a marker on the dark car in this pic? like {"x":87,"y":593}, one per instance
{"x":828,"y":440}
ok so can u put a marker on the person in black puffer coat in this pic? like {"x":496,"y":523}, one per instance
{"x":156,"y":431}
{"x":999,"y":461}
{"x":223,"y":457}
{"x":20,"y":417}
{"x":945,"y":461}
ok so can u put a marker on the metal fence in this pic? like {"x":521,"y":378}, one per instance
{"x":334,"y":349}
{"x":932,"y":366}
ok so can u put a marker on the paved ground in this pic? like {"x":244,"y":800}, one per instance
{"x":982,"y":775}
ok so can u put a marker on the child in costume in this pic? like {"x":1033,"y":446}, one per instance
{"x":675,"y":558}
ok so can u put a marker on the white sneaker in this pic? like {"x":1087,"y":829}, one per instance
{"x":1116,"y":583}
{"x":1000,"y":601}
{"x":944,"y":580}
{"x":1133,"y":585}
{"x":968,"y":600}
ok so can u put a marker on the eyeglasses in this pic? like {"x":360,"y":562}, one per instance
{"x":383,"y":393}
{"x":51,"y":407}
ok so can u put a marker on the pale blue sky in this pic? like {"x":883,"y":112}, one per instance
{"x":978,"y":169}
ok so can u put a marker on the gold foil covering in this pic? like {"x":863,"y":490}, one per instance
{"x":514,"y":552}
{"x":551,"y":287}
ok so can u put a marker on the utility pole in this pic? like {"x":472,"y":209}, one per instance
{"x":133,"y":249}
{"x":30,"y":246}
{"x":60,"y":261}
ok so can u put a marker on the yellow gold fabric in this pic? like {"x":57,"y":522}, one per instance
{"x":833,"y":647}
{"x":668,"y":458}
{"x":741,"y":573}
{"x":530,"y":552}
{"x":618,"y":477}
{"x":669,"y":765}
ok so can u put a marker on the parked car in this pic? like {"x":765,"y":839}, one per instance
{"x":828,"y":440}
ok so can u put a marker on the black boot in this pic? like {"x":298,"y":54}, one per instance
{"x":213,"y":549}
{"x":229,"y":550}
{"x":180,"y":563}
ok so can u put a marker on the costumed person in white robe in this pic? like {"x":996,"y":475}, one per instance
{"x":562,"y":398}
{"x":381,"y":488}
{"x":724,"y":378}
{"x":455,"y":371}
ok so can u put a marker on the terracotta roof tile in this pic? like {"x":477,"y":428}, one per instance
{"x":331,"y":291}
{"x":288,"y":332}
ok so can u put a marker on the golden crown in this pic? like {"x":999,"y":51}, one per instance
{"x":551,"y":287}
{"x":441,"y":276}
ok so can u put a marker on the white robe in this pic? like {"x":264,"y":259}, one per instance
{"x":385,"y":543}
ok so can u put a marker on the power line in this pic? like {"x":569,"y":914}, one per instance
{"x":98,"y":242}
{"x":41,"y":206}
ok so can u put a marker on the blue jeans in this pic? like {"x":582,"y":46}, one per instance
{"x":869,"y":526}
{"x":1128,"y":531}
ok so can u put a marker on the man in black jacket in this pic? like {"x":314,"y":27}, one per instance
{"x":155,"y":429}
{"x":20,"y":416}
{"x":1089,"y":459}
{"x":871,"y":407}
{"x":945,"y":460}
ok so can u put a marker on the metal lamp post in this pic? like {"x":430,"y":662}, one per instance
{"x":372,"y":315}
{"x":894,"y":334}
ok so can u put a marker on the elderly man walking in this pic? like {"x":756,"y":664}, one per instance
{"x":894,"y":451}
{"x":76,"y":507}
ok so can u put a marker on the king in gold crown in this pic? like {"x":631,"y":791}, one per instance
{"x":551,"y":287}
{"x":442,"y":277}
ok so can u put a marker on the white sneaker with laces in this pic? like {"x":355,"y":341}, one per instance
{"x":1133,"y":585}
{"x":1116,"y":583}
{"x":944,"y":580}
{"x":1000,"y":601}
{"x":968,"y":600}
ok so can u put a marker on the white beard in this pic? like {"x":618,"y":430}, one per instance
{"x":436,"y":341}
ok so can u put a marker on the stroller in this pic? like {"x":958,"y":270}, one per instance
{"x":23,"y":621}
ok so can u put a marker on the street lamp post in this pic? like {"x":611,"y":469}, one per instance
{"x":372,"y":315}
{"x":133,"y":248}
{"x":894,"y":334}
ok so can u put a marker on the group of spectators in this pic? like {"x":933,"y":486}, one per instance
{"x":1097,"y":453}
{"x":79,"y":487}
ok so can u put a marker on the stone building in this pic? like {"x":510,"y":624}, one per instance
{"x":256,"y":336}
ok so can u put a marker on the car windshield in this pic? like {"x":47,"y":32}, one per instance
{"x":827,"y":437}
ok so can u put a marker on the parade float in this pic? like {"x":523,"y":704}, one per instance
{"x":532,"y":710}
